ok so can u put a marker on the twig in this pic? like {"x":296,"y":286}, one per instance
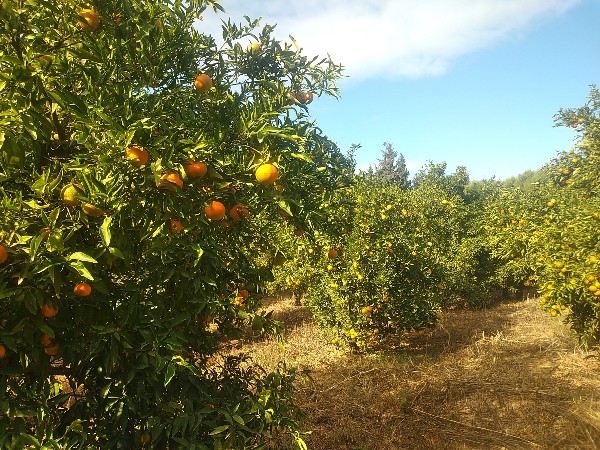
{"x":474,"y":427}
{"x":349,"y":378}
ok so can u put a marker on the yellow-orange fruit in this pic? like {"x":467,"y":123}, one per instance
{"x":89,"y":20}
{"x":49,"y":310}
{"x":137,"y":156}
{"x":195,"y":169}
{"x":170,"y":179}
{"x":203,"y":83}
{"x":239,"y":212}
{"x":215,"y":211}
{"x":266,"y":173}
{"x":175,"y":226}
{"x":82,"y":289}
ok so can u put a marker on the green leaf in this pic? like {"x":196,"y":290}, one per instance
{"x":45,"y":328}
{"x":105,"y":231}
{"x":303,"y":156}
{"x":219,"y":430}
{"x":82,"y":270}
{"x":285,"y":206}
{"x":170,"y":373}
{"x":199,"y":252}
{"x":238,"y":419}
{"x":80,"y":256}
{"x":116,"y":252}
{"x":5,"y":293}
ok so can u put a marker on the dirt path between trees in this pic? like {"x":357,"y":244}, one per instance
{"x":508,"y":377}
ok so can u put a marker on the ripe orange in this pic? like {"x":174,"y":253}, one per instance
{"x":203,"y":83}
{"x":91,"y":210}
{"x":299,"y":232}
{"x":367,"y":311}
{"x":82,"y":289}
{"x":332,"y":253}
{"x":243,"y":293}
{"x":266,"y":173}
{"x":2,"y":351}
{"x":89,"y":20}
{"x":3,"y":254}
{"x":49,"y":310}
{"x":195,"y":169}
{"x":215,"y":211}
{"x":170,"y":179}
{"x":52,"y":350}
{"x":225,"y":223}
{"x":175,"y":226}
{"x":239,"y":212}
{"x":137,"y":156}
{"x":46,"y":340}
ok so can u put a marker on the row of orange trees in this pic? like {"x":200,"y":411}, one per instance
{"x":389,"y":258}
{"x":545,"y":235}
{"x":142,"y":167}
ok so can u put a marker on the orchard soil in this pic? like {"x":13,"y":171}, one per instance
{"x":506,"y":377}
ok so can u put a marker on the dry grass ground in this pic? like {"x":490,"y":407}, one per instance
{"x":508,"y":377}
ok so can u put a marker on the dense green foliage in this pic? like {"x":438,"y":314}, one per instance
{"x":118,"y":286}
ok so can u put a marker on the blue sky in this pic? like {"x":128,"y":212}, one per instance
{"x":468,"y":82}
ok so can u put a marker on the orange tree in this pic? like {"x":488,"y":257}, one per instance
{"x":133,"y":164}
{"x":378,"y":266}
{"x":544,"y":236}
{"x":570,"y":269}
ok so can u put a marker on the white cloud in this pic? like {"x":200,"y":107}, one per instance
{"x":395,"y":38}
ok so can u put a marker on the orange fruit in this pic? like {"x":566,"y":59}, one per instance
{"x":367,"y":311}
{"x":49,"y":310}
{"x":243,"y":293}
{"x":266,"y":173}
{"x":254,"y":48}
{"x":195,"y":169}
{"x":175,"y":226}
{"x":299,"y":232}
{"x":2,"y":351}
{"x":307,"y":97}
{"x":137,"y":156}
{"x":91,"y":210}
{"x":3,"y":254}
{"x":203,"y":83}
{"x":284,"y":214}
{"x":46,"y":340}
{"x":69,"y":194}
{"x":215,"y":211}
{"x":239,"y":212}
{"x":332,"y":253}
{"x":52,"y":350}
{"x":82,"y":289}
{"x":225,"y":223}
{"x":170,"y":179}
{"x":89,"y":20}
